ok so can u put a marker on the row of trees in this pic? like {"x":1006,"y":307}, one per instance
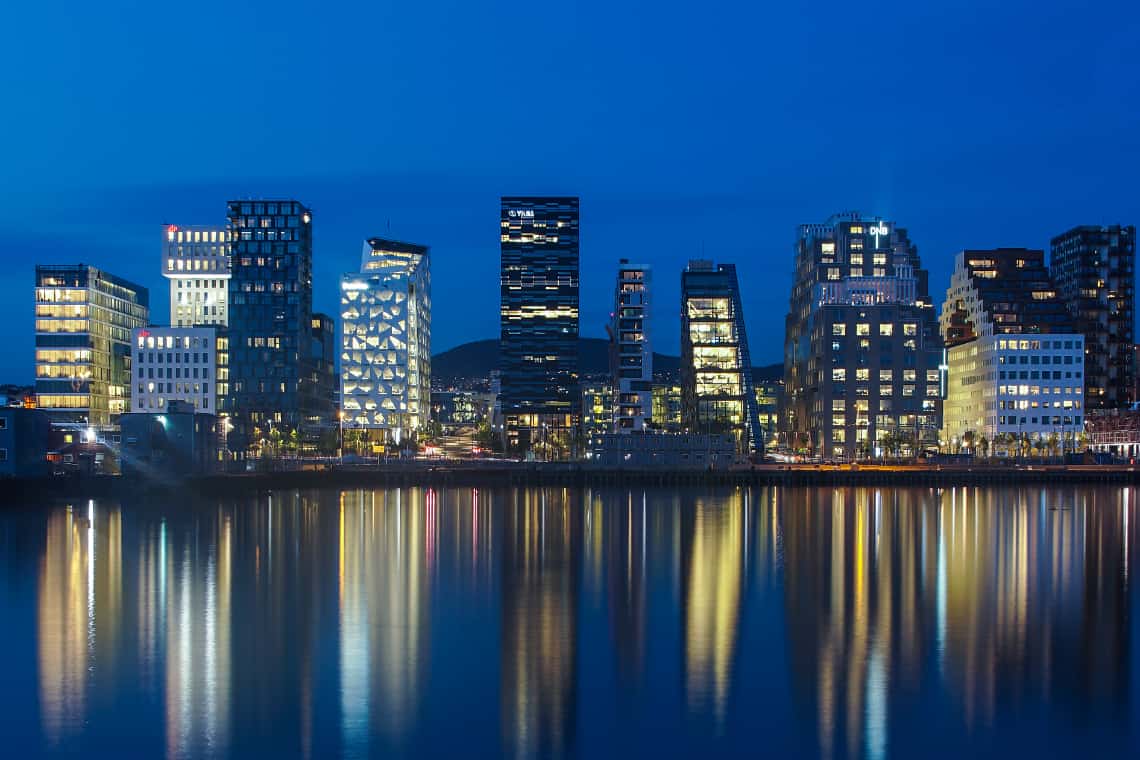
{"x":1012,"y":444}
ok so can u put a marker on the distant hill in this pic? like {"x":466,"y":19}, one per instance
{"x":475,"y":360}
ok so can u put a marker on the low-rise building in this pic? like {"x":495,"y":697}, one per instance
{"x":597,"y":410}
{"x":169,"y":444}
{"x":24,"y":437}
{"x":684,"y":451}
{"x":667,"y":407}
{"x":457,"y":408}
{"x":1114,"y":431}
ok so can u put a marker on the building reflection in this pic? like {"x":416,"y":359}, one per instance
{"x":79,"y":611}
{"x":387,"y":541}
{"x":540,"y":548}
{"x":856,"y":572}
{"x":194,"y":590}
{"x":1017,"y":600}
{"x":712,"y":545}
{"x":1034,"y":603}
{"x":624,"y":533}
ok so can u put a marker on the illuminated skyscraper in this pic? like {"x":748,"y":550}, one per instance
{"x":385,"y":360}
{"x":861,"y":345}
{"x":84,"y":319}
{"x":631,"y":353}
{"x":716,"y":370}
{"x":196,"y":261}
{"x":538,"y":313}
{"x":1095,"y":272}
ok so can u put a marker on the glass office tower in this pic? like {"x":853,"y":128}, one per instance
{"x":270,"y":321}
{"x":84,"y":319}
{"x":716,"y":369}
{"x":538,"y":322}
{"x":1095,"y":272}
{"x":385,"y":359}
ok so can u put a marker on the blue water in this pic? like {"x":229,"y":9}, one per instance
{"x":418,"y":622}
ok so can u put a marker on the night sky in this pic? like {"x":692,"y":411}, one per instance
{"x":688,"y":129}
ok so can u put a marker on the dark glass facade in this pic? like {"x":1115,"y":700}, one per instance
{"x":271,"y":362}
{"x":1094,"y":269}
{"x":323,"y":369}
{"x":538,"y":317}
{"x":716,"y":370}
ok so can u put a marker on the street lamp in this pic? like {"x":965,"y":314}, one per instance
{"x":340,"y":436}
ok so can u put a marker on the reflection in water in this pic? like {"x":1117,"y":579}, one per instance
{"x":541,"y":544}
{"x":197,"y":572}
{"x":386,"y":540}
{"x":305,"y":624}
{"x":856,"y":567}
{"x":625,"y":539}
{"x":1021,"y":599}
{"x":79,"y":613}
{"x":712,"y":566}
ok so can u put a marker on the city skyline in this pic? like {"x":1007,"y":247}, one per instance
{"x":457,"y":323}
{"x":973,"y":150}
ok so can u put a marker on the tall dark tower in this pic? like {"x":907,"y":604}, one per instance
{"x":538,"y":321}
{"x":271,"y":363}
{"x":1094,"y":269}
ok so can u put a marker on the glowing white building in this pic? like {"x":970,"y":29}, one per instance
{"x":196,"y":261}
{"x":385,"y":360}
{"x":175,"y":364}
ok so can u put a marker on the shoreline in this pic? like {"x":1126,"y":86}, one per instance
{"x":447,"y":475}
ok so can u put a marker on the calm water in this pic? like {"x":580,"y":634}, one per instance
{"x":778,"y":622}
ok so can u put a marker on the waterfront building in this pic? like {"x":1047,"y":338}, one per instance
{"x":385,"y":360}
{"x":84,"y":318}
{"x":861,"y":346}
{"x":1094,"y":269}
{"x":169,"y":443}
{"x":716,"y":368}
{"x":1015,"y":362}
{"x":597,"y":410}
{"x":674,"y":451}
{"x":461,"y":408}
{"x":324,"y":377}
{"x":1114,"y":431}
{"x":769,"y":398}
{"x":196,"y":262}
{"x":23,"y":396}
{"x":631,"y":352}
{"x":538,"y":319}
{"x":271,"y":391}
{"x":24,"y":435}
{"x":667,"y":405}
{"x":175,"y":364}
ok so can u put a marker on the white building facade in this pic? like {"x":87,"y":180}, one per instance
{"x":175,"y":364}
{"x":631,"y":356}
{"x":1003,"y":385}
{"x":196,"y":262}
{"x":1014,"y":361}
{"x":386,"y":340}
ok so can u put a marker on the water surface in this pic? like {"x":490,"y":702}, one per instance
{"x":848,"y":622}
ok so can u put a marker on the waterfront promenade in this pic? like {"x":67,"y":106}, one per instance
{"x":479,"y":474}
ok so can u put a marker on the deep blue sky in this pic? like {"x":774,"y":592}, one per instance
{"x":686,"y":128}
